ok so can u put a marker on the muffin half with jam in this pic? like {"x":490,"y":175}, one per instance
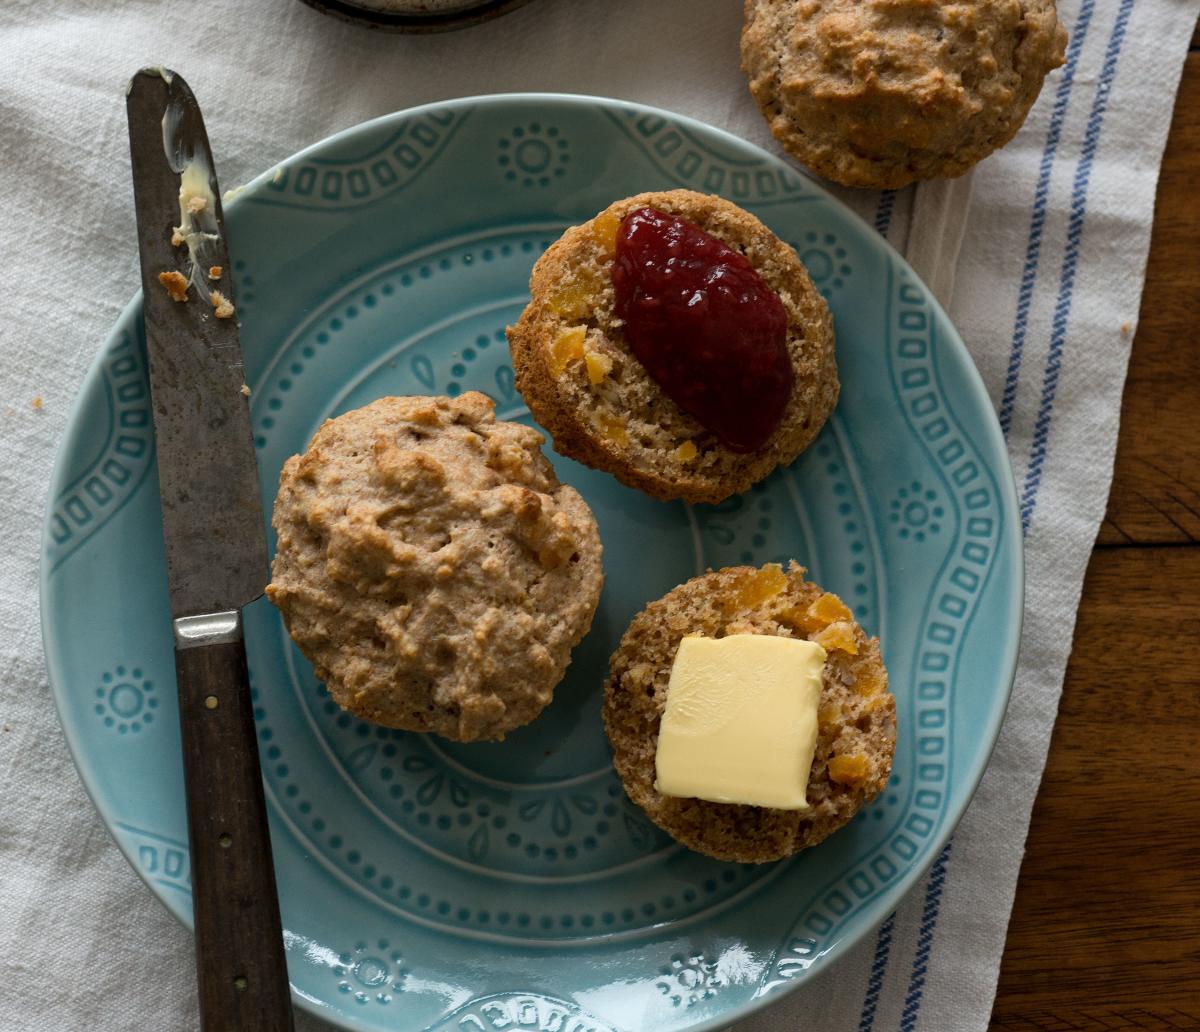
{"x":677,"y":343}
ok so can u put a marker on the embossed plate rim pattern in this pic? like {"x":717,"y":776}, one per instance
{"x":429,"y":130}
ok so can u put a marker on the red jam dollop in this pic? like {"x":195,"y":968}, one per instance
{"x":704,"y":325}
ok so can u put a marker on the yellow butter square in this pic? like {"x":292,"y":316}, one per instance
{"x":740,"y":723}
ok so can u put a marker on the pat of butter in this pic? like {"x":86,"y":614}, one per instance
{"x":740,"y":724}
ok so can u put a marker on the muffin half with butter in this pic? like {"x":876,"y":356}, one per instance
{"x":432,"y":567}
{"x":677,"y":343}
{"x":749,"y":714}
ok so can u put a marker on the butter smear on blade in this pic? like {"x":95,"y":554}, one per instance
{"x":197,"y":227}
{"x":740,"y":724}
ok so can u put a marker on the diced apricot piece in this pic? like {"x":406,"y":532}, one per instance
{"x":759,"y":586}
{"x":604,"y":229}
{"x":567,"y":347}
{"x":839,"y":636}
{"x":686,"y":451}
{"x":871,"y":682}
{"x":599,"y":365}
{"x":573,"y":300}
{"x":612,"y":428}
{"x":796,"y":616}
{"x":829,"y":715}
{"x":824,"y":611}
{"x":829,"y":608}
{"x":849,"y":770}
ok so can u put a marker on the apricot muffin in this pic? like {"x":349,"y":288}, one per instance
{"x":879,"y":93}
{"x":432,"y":567}
{"x":855,"y":713}
{"x":677,"y":343}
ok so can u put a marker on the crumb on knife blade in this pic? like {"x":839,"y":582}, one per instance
{"x":176,"y":284}
{"x":214,"y":272}
{"x":246,"y":389}
{"x":222,"y":306}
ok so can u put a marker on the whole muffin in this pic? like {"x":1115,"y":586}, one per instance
{"x":879,"y":93}
{"x":580,"y":377}
{"x":432,"y":567}
{"x":856,"y":721}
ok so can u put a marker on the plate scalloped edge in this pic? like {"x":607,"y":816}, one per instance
{"x":965,"y":472}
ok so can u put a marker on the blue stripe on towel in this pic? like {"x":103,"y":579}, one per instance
{"x":1037,"y":221}
{"x":883,"y":946}
{"x":937,"y":878}
{"x":883,"y":942}
{"x":1062,"y":309}
{"x":929,"y":916}
{"x":883,"y":214}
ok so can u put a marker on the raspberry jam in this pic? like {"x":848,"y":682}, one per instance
{"x":704,"y":325}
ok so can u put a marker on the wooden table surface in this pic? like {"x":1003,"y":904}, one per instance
{"x":1105,"y":933}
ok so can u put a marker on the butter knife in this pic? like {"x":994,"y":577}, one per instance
{"x":215,"y":550}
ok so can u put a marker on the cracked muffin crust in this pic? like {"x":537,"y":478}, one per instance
{"x":856,"y":718}
{"x":432,"y":567}
{"x":879,"y":93}
{"x":582,"y":382}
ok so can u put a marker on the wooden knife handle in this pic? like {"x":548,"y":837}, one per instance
{"x":240,"y":963}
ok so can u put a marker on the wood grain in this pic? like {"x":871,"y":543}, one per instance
{"x":1105,"y":931}
{"x":1155,"y":494}
{"x":1106,"y":909}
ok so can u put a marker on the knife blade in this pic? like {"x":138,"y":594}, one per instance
{"x":215,"y":550}
{"x":212,"y":514}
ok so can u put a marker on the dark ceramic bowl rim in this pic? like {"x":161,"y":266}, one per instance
{"x":392,"y":21}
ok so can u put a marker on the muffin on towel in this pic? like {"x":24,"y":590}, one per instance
{"x":432,"y":567}
{"x":880,"y":93}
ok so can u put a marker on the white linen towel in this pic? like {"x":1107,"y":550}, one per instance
{"x":1039,"y":256}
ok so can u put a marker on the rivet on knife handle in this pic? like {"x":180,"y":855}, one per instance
{"x":216,"y":551}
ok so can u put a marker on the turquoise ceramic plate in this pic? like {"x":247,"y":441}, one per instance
{"x":428,"y":885}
